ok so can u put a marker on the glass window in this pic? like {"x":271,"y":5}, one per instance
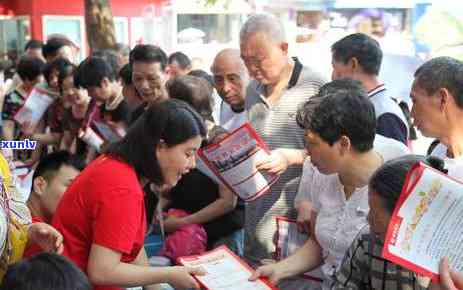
{"x":121,"y":26}
{"x":14,"y":33}
{"x":221,"y":28}
{"x":147,"y":30}
{"x":137,"y":29}
{"x":70,"y":26}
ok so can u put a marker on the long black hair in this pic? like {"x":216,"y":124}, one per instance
{"x":172,"y":121}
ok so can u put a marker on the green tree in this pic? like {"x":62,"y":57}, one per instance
{"x":99,"y":25}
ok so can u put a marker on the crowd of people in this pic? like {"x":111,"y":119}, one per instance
{"x":117,"y":153}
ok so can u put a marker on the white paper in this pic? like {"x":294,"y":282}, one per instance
{"x":201,"y":166}
{"x":431,"y":226}
{"x":289,"y":240}
{"x":235,"y":159}
{"x":34,"y":108}
{"x":224,"y":272}
{"x":109,"y":134}
{"x":91,"y":138}
{"x":23,"y":177}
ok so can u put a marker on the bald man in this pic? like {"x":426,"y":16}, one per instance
{"x":230,"y":80}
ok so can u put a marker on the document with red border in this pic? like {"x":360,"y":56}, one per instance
{"x":426,"y":224}
{"x":224,"y":271}
{"x":34,"y":107}
{"x":233,"y":161}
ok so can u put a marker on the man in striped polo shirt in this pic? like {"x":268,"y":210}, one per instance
{"x":280,"y":84}
{"x":358,"y":56}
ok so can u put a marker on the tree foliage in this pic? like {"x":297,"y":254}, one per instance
{"x":99,"y":25}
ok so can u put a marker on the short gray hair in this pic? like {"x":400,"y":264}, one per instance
{"x":268,"y":24}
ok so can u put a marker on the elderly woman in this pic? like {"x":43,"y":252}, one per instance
{"x":344,"y":153}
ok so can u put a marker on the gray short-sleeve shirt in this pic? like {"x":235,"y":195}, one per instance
{"x":276,"y":124}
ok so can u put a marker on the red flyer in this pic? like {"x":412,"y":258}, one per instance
{"x":96,"y":133}
{"x":34,"y":107}
{"x":426,"y":223}
{"x":233,"y":162}
{"x":224,"y":271}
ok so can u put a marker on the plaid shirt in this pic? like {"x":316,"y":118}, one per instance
{"x":364,"y":268}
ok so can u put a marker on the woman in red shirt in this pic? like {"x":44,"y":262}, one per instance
{"x":102,"y":213}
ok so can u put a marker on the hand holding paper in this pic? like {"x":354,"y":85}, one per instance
{"x":90,"y":137}
{"x":289,"y":240}
{"x":233,"y":161}
{"x":181,"y":277}
{"x":27,"y":129}
{"x":276,"y":163}
{"x":271,"y":271}
{"x":426,"y":223}
{"x":109,"y":131}
{"x":224,"y":271}
{"x":449,"y":280}
{"x":35,"y":106}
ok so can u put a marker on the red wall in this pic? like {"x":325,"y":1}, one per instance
{"x":5,"y":8}
{"x":37,"y":8}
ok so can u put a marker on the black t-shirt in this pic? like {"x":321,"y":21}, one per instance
{"x":121,"y":113}
{"x":136,"y":113}
{"x":196,"y":191}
